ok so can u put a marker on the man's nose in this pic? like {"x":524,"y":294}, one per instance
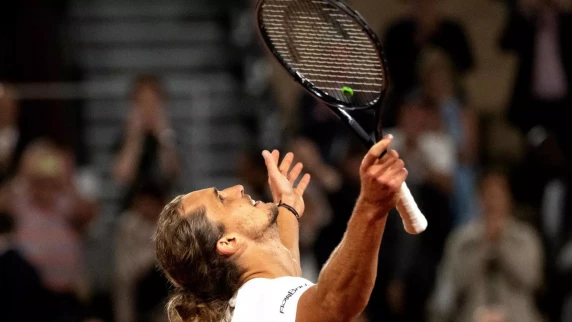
{"x":235,"y":191}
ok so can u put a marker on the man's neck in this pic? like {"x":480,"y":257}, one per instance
{"x":267,"y":260}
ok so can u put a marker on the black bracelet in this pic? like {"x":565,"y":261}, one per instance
{"x":292,"y":210}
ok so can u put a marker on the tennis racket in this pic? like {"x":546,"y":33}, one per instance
{"x":329,"y":49}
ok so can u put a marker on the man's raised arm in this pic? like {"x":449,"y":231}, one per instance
{"x":346,"y":281}
{"x":281,"y":179}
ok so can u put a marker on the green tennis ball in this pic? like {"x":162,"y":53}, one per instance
{"x":347,"y":91}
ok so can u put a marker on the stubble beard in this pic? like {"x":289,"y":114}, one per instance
{"x":271,"y":230}
{"x":273,"y":214}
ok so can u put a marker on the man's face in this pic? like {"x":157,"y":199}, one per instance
{"x":44,"y":172}
{"x":149,"y":102}
{"x":412,"y":120}
{"x":496,"y":203}
{"x":495,"y":196}
{"x":236,"y":211}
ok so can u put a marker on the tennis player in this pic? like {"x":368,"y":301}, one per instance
{"x":233,"y":259}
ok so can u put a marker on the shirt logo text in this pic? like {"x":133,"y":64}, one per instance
{"x":289,"y":295}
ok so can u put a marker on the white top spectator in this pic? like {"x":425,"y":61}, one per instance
{"x":435,"y":152}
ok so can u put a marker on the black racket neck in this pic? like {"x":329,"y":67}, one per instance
{"x":365,"y":123}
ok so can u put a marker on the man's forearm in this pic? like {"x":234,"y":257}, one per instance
{"x":126,"y":161}
{"x":169,"y":162}
{"x":289,"y":233}
{"x":347,"y":280}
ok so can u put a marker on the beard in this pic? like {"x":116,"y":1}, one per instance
{"x":270,"y":230}
{"x":273,"y":216}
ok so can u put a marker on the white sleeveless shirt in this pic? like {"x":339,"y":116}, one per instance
{"x":269,"y":300}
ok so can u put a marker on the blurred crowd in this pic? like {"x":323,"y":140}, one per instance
{"x":499,"y":242}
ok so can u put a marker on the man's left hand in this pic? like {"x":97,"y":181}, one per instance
{"x":281,"y":180}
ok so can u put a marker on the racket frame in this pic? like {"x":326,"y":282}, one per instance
{"x":344,"y":111}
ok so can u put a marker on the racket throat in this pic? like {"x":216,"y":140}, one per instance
{"x":363,"y":123}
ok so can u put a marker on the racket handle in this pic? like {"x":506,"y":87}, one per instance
{"x":413,"y":220}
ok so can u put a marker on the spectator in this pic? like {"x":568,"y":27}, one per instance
{"x":422,"y":141}
{"x":140,"y":290}
{"x":429,"y":153}
{"x":146,"y":150}
{"x":438,"y":82}
{"x":260,"y":115}
{"x":51,"y":219}
{"x":564,"y":276}
{"x":492,"y":265}
{"x":537,"y":32}
{"x":320,"y":125}
{"x":20,"y":285}
{"x":406,"y":38}
{"x":9,"y":134}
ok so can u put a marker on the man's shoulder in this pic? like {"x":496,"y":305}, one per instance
{"x":266,"y":287}
{"x":522,"y":231}
{"x":261,"y":299}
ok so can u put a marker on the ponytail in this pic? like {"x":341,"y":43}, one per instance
{"x":184,"y":306}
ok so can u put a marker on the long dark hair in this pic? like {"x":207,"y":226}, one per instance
{"x":204,"y":280}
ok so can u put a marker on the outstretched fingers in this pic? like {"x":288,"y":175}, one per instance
{"x":276,"y":156}
{"x":296,"y":170}
{"x":303,"y":184}
{"x":270,"y":162}
{"x":286,"y":163}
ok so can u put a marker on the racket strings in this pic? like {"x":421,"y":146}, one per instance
{"x":327,"y":47}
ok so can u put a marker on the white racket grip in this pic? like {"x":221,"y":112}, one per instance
{"x":413,"y":220}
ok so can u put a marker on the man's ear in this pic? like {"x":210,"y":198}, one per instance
{"x":228,"y":245}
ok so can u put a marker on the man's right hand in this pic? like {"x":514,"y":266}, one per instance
{"x":345,"y":284}
{"x":381,"y":179}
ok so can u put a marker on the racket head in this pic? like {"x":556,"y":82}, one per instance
{"x":342,"y":63}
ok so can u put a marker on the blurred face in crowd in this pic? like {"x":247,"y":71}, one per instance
{"x":437,"y":76}
{"x":496,"y":203}
{"x":8,"y":106}
{"x":43,"y":169}
{"x":411,"y":119}
{"x":243,"y":219}
{"x":426,"y":11}
{"x":416,"y":118}
{"x":149,"y":101}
